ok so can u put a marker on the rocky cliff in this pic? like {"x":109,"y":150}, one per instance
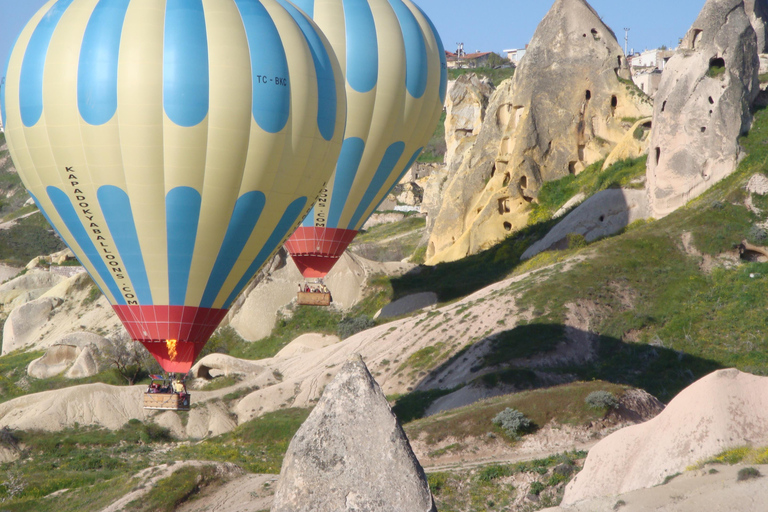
{"x":536,"y":130}
{"x":703,"y":106}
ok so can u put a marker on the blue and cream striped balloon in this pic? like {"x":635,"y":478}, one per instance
{"x":395,"y":70}
{"x":174,"y":145}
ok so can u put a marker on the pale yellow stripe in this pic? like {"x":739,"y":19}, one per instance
{"x":140,"y":117}
{"x":300,"y":161}
{"x":229,"y":122}
{"x":387,"y":120}
{"x":62,"y":121}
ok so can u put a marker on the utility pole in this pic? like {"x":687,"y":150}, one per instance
{"x":626,"y":40}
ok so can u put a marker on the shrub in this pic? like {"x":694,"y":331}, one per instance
{"x":512,"y":422}
{"x":537,"y":487}
{"x":748,"y":474}
{"x":492,"y":472}
{"x":602,"y":400}
{"x":351,"y":326}
{"x":576,"y":241}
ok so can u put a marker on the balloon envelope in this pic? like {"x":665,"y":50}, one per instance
{"x":395,"y":72}
{"x":173,"y":145}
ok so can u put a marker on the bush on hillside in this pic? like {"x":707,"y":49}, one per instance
{"x":512,"y":422}
{"x":602,"y":400}
{"x":351,"y":326}
{"x":748,"y":474}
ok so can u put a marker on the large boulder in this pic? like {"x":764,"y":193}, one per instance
{"x":77,"y":354}
{"x":723,"y":410}
{"x":351,"y":454}
{"x":703,"y":106}
{"x":604,"y":214}
{"x":564,"y":109}
{"x":20,"y":329}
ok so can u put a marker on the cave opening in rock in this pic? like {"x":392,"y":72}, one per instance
{"x":507,"y":226}
{"x":588,"y":95}
{"x":524,"y":182}
{"x":711,"y":101}
{"x":507,"y":179}
{"x":658,"y":155}
{"x":572,"y":168}
{"x":595,"y":34}
{"x":664,"y":105}
{"x":716,"y":67}
{"x":618,"y":57}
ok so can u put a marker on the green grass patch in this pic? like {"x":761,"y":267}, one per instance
{"x":182,"y":486}
{"x":384,"y":231}
{"x":21,"y":211}
{"x":257,"y":446}
{"x":564,"y":404}
{"x":554,"y":194}
{"x":303,"y":320}
{"x":29,"y":238}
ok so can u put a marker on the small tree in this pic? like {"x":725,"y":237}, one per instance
{"x":130,"y":359}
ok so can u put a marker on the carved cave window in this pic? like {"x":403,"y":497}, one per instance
{"x":524,"y":182}
{"x":507,"y":226}
{"x":588,"y":95}
{"x":658,"y":155}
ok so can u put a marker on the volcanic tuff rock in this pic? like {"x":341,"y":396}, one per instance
{"x":76,"y":353}
{"x":351,"y":454}
{"x":604,"y":214}
{"x":465,"y":110}
{"x":702,"y":106}
{"x":724,"y":410}
{"x":757,"y":10}
{"x":562,"y":111}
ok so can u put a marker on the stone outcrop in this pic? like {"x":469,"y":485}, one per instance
{"x":351,"y":454}
{"x":724,"y":410}
{"x":563,"y":110}
{"x":77,"y":354}
{"x":465,"y":111}
{"x":702,"y":106}
{"x":633,"y":145}
{"x":757,"y":10}
{"x":27,"y":287}
{"x":604,"y":214}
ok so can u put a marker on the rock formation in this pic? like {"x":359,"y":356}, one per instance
{"x":757,"y":10}
{"x":724,"y":410}
{"x":566,"y":107}
{"x":77,"y":354}
{"x":351,"y":454}
{"x":702,"y":106}
{"x":465,"y":111}
{"x":604,"y":214}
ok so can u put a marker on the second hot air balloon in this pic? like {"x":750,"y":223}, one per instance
{"x":173,"y":145}
{"x":395,"y":72}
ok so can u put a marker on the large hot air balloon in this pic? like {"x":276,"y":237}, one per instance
{"x":173,"y":145}
{"x":395,"y":71}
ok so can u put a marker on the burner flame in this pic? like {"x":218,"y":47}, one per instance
{"x":171,"y":344}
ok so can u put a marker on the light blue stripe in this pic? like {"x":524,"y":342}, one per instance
{"x":309,"y":220}
{"x":185,"y":63}
{"x":33,"y":65}
{"x":399,"y":178}
{"x":182,"y":211}
{"x":346,"y":170}
{"x":68,"y":214}
{"x":443,"y":60}
{"x":326,"y":81}
{"x":116,"y":207}
{"x":417,"y":62}
{"x":3,"y":78}
{"x":244,"y":218}
{"x":362,"y":45}
{"x":391,"y":156}
{"x":277,"y":237}
{"x":269,"y":66}
{"x":97,"y":70}
{"x":308,"y":6}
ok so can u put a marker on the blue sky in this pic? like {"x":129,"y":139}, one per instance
{"x":486,"y":25}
